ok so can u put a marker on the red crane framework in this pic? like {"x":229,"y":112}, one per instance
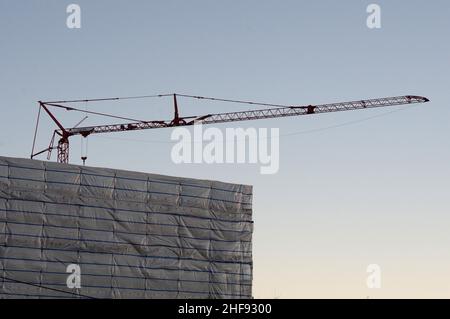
{"x":274,"y":111}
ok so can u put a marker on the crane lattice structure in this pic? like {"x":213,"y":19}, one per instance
{"x":274,"y":111}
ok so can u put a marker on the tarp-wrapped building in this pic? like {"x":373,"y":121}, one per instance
{"x":132,"y":235}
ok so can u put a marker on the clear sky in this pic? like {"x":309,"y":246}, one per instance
{"x":375,"y":191}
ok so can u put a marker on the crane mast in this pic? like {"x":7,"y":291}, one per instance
{"x":268,"y":113}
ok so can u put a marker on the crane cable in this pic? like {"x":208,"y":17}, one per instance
{"x":198,"y":97}
{"x":112,"y":98}
{"x":84,"y":149}
{"x":58,"y":104}
{"x":36,"y":130}
{"x":232,"y":101}
{"x":69,"y":108}
{"x":314,"y":130}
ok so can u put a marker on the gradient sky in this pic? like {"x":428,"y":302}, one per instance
{"x":375,"y":191}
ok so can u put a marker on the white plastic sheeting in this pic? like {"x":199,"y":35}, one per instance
{"x":133,"y":235}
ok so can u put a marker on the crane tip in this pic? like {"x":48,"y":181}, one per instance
{"x":418,"y":98}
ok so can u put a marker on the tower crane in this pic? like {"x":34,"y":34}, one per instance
{"x":273,"y":111}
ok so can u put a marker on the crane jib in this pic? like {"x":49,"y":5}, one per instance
{"x":275,"y":111}
{"x":253,"y":115}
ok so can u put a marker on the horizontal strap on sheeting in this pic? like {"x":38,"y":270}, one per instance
{"x":130,"y":211}
{"x":124,"y":189}
{"x":126,"y":233}
{"x":213,"y":261}
{"x":133,"y":289}
{"x":124,"y":221}
{"x":122,"y":243}
{"x":130,"y":277}
{"x":127,"y":178}
{"x":121,"y":265}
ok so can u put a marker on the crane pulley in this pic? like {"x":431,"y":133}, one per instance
{"x":274,"y":111}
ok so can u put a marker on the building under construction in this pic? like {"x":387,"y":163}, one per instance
{"x":133,"y":235}
{"x":130,"y":234}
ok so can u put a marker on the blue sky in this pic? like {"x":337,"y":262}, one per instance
{"x":375,"y":191}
